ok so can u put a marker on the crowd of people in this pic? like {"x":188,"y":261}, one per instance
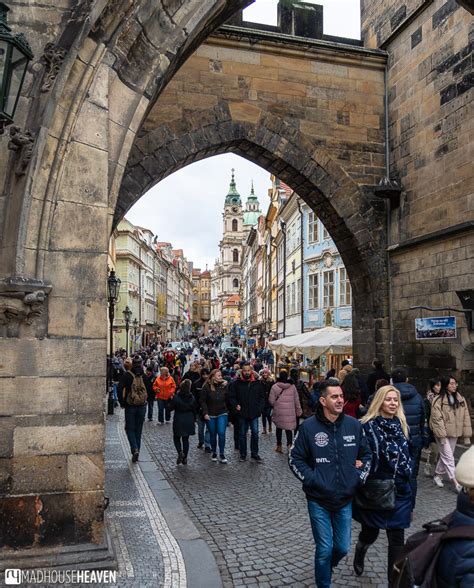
{"x":355,"y":443}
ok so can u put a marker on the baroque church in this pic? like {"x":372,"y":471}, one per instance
{"x":227,"y":272}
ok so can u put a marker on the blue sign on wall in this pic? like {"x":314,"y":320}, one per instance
{"x":436,"y":327}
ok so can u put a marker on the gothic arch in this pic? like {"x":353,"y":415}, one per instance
{"x":356,"y":219}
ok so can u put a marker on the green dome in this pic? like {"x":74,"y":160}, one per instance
{"x":233,"y":197}
{"x":252,"y":209}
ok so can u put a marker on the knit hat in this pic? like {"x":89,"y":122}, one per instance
{"x":465,"y":469}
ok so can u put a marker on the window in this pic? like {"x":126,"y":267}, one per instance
{"x":345,"y":294}
{"x":235,"y":225}
{"x":313,"y":233}
{"x":298,"y":295}
{"x":288,"y":306}
{"x":280,"y":305}
{"x":326,"y":235}
{"x":235,"y":255}
{"x":235,"y":283}
{"x":280,"y":256}
{"x":328,"y":289}
{"x":313,"y":287}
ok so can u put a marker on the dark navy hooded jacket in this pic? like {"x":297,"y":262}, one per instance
{"x":414,"y":408}
{"x":323,"y":458}
{"x":455,"y":567}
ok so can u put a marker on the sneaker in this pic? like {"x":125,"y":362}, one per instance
{"x":207,"y":450}
{"x":257,"y":458}
{"x":200,"y":445}
{"x":242,"y":458}
{"x":457,"y":487}
{"x":135,"y":456}
{"x":214,"y":457}
{"x":222,"y":459}
{"x":184,"y":461}
{"x":438,"y":481}
{"x":180,"y":458}
{"x":168,"y":422}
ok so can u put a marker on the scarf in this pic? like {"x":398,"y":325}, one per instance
{"x":389,"y":445}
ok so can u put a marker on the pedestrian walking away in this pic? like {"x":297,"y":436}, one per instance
{"x":331,"y":457}
{"x":449,"y":420}
{"x":267,"y":381}
{"x":247,"y":399}
{"x":149,"y":378}
{"x":455,"y":566}
{"x":284,"y":399}
{"x":164,"y":387}
{"x":214,"y":402}
{"x":386,"y":428}
{"x":184,"y":420}
{"x":132,"y":396}
{"x":414,"y":410}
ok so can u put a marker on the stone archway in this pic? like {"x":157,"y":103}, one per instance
{"x":356,"y":221}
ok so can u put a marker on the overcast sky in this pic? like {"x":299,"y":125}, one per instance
{"x":186,"y":207}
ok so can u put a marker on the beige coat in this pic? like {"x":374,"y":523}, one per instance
{"x":343,"y":372}
{"x":446,"y":421}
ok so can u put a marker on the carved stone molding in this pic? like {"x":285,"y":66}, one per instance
{"x":22,"y":142}
{"x":53,"y":58}
{"x":22,"y":300}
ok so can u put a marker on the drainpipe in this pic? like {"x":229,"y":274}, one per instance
{"x":388,"y":219}
{"x":301,"y":267}
{"x":283,"y":230}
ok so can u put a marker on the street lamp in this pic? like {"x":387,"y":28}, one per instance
{"x":135,"y":329}
{"x":113,"y":287}
{"x":127,"y":315}
{"x":15,"y":54}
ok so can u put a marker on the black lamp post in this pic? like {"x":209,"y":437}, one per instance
{"x":135,"y":329}
{"x":113,"y":288}
{"x":15,"y":54}
{"x":127,"y":315}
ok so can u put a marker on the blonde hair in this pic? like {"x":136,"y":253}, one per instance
{"x":376,"y":407}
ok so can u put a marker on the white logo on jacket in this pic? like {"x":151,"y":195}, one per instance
{"x":321,"y":439}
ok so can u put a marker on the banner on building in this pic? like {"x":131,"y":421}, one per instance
{"x":436,"y":327}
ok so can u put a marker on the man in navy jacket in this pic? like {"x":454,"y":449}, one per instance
{"x":331,"y":457}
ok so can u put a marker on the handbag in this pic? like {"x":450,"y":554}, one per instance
{"x":377,"y":494}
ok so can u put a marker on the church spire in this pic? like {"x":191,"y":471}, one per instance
{"x":233,"y":197}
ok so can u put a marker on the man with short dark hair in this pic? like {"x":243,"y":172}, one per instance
{"x":379,"y":373}
{"x":414,"y":408}
{"x":331,"y":457}
{"x":247,"y":400}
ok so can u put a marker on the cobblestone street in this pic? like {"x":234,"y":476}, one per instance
{"x":254,"y":517}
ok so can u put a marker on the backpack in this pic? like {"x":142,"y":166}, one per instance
{"x":138,"y":395}
{"x":417,"y":566}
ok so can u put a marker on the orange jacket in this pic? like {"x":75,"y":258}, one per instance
{"x":164,"y":389}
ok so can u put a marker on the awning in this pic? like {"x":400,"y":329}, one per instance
{"x":315,"y":343}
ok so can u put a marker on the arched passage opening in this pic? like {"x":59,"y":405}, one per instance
{"x":354,"y":220}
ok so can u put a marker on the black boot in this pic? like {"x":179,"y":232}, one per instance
{"x":395,"y":554}
{"x":359,"y":557}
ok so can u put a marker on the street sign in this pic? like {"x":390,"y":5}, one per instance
{"x":436,"y":327}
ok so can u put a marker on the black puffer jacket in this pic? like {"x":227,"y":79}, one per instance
{"x":414,"y":411}
{"x":249,"y":395}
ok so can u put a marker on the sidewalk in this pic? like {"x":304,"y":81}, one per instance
{"x":155,"y":542}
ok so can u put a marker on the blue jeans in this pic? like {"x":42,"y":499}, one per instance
{"x":151,"y":402}
{"x":114,"y":390}
{"x":134,"y":419}
{"x":163,"y":411}
{"x":332,"y":537}
{"x":203,"y":433}
{"x":245,"y":424}
{"x":217,"y":427}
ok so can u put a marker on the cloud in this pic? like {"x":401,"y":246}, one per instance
{"x":186,"y":207}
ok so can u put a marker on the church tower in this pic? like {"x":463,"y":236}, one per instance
{"x":231,"y":244}
{"x":252,"y":212}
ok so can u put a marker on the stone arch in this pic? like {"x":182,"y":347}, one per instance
{"x":356,"y":220}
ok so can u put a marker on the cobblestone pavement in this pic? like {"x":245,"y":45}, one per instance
{"x":254,"y":517}
{"x":147,"y":553}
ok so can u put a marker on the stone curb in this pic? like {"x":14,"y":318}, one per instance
{"x":196,"y":553}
